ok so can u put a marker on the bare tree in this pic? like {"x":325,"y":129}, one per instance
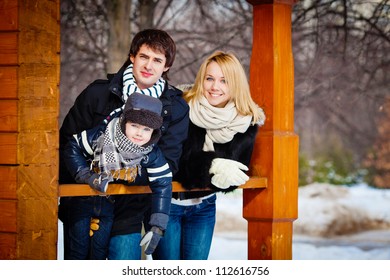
{"x":119,"y":30}
{"x":96,"y":35}
{"x":341,"y":50}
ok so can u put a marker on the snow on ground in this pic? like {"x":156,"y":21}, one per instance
{"x":334,"y":223}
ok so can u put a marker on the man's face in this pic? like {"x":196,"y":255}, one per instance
{"x":148,"y":67}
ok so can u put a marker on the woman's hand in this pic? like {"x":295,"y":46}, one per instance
{"x":227,"y":173}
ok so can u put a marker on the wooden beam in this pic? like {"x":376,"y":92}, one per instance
{"x":86,"y":190}
{"x":29,"y":109}
{"x":270,"y":212}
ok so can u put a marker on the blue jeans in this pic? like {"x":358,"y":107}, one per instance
{"x":189,"y":232}
{"x":76,"y":214}
{"x":125,"y":247}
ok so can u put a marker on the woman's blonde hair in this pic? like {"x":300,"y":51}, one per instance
{"x":236,"y":80}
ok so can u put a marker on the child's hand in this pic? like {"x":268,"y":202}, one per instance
{"x":99,"y":182}
{"x":151,"y":239}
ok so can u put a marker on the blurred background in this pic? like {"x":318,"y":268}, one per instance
{"x":341,"y":54}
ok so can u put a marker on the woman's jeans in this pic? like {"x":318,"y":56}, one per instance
{"x":189,"y":232}
{"x":76,"y":214}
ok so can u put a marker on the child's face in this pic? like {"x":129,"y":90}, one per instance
{"x":138,"y":134}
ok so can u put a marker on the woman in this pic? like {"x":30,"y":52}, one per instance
{"x":223,"y":125}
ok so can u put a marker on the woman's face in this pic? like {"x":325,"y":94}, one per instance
{"x":215,"y":87}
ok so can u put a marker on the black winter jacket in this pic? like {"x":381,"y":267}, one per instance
{"x":95,"y":103}
{"x":195,"y":163}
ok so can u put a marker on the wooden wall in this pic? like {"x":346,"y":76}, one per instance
{"x":29,"y":108}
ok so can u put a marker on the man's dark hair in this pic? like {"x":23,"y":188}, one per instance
{"x":157,"y":40}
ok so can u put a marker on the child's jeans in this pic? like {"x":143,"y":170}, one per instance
{"x":76,"y":214}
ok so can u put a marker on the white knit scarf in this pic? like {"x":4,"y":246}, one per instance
{"x":221,"y":124}
{"x":130,"y":86}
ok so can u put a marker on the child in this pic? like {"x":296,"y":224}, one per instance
{"x":116,"y":152}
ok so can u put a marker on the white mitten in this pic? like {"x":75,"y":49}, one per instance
{"x":227,"y":173}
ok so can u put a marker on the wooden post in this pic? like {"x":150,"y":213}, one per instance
{"x":29,"y":106}
{"x":270,"y":212}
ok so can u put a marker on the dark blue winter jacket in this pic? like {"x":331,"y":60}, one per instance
{"x":78,"y":156}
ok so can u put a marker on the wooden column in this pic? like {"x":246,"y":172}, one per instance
{"x":270,"y":212}
{"x":29,"y":107}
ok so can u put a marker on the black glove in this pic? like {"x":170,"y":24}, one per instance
{"x":159,"y":222}
{"x":96,"y":181}
{"x":151,"y":239}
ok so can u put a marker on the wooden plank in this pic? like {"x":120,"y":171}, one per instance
{"x":7,"y":246}
{"x":39,"y":38}
{"x":9,"y":15}
{"x":8,"y":215}
{"x":8,"y":48}
{"x":37,"y":147}
{"x":39,"y":81}
{"x":8,"y":82}
{"x":8,"y":115}
{"x":8,"y":148}
{"x":38,"y":46}
{"x":8,"y":182}
{"x":37,"y":182}
{"x":86,"y":190}
{"x":38,"y":244}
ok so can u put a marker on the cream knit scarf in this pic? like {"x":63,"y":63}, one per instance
{"x":221,"y":124}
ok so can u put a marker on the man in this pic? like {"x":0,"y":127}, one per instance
{"x":151,"y":55}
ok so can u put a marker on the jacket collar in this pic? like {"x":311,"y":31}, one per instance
{"x":116,"y":80}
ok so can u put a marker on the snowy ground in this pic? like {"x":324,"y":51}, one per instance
{"x":334,"y":223}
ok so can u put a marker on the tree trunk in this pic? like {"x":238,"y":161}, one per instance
{"x":119,"y":35}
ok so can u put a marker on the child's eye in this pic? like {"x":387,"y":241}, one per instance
{"x":148,"y":129}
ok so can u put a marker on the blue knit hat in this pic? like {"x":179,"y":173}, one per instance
{"x":144,"y":110}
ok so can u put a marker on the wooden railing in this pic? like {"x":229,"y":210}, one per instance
{"x":114,"y":189}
